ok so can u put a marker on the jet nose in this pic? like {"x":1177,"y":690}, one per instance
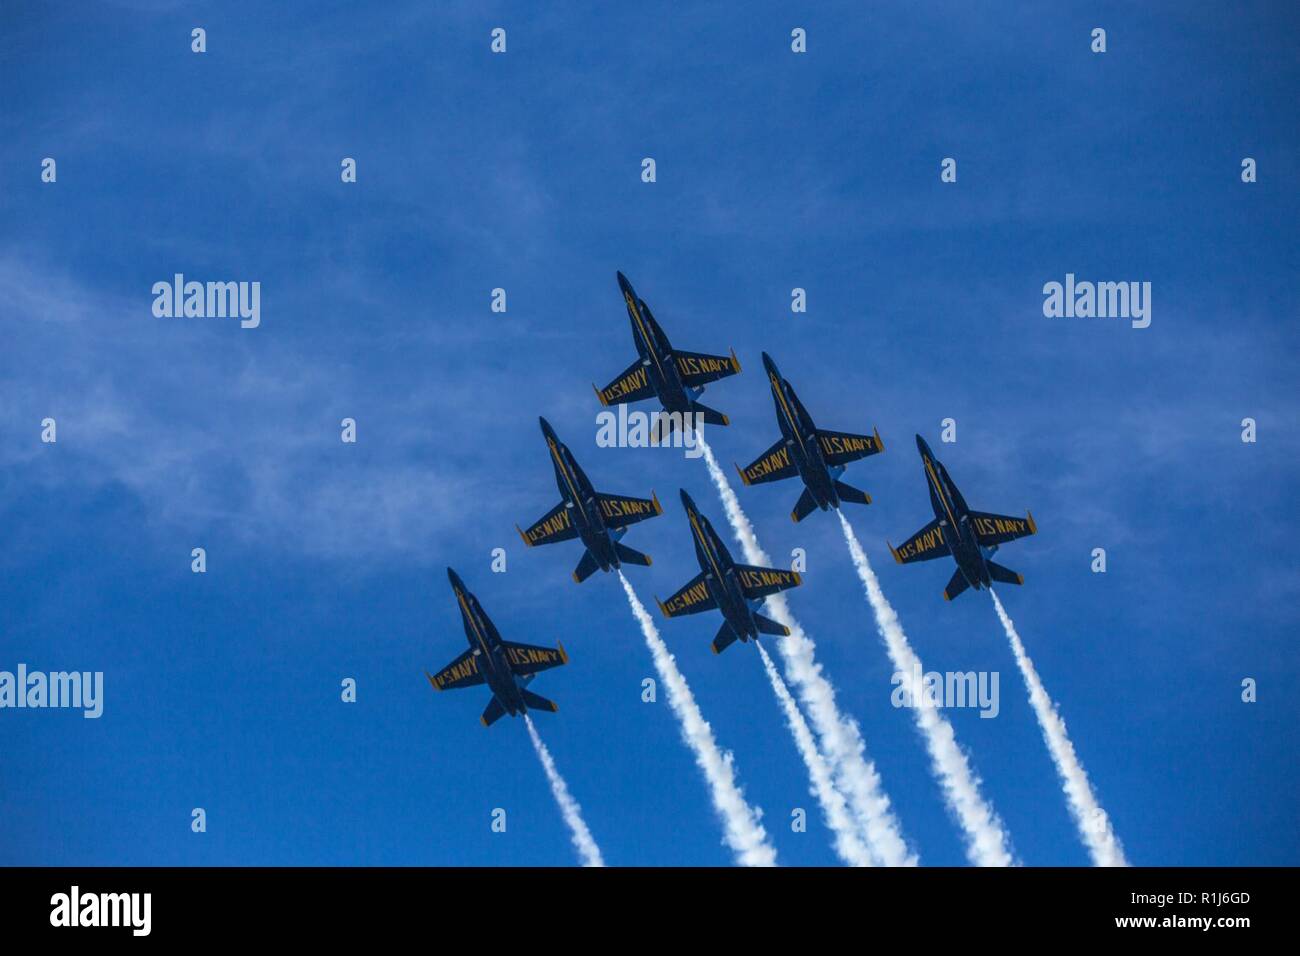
{"x":687,"y":502}
{"x":547,"y":430}
{"x":922,"y":447}
{"x":622,"y":281}
{"x":454,"y":578}
{"x":770,"y":365}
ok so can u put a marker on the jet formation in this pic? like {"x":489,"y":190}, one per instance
{"x":818,"y":457}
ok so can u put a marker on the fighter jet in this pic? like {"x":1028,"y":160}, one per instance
{"x":600,"y":520}
{"x":506,"y":667}
{"x":676,"y":378}
{"x":734,"y":589}
{"x":817,"y":456}
{"x":971,"y":537}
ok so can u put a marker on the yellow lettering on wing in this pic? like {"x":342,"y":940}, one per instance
{"x":626,"y":385}
{"x":702,"y":364}
{"x":458,"y":671}
{"x":922,"y":543}
{"x":763,"y":578}
{"x":777,"y":461}
{"x":847,"y":444}
{"x":688,"y":598}
{"x":625,"y":507}
{"x":532,"y":655}
{"x":549,"y":526}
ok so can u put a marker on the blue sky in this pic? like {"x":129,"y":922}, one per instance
{"x":521,"y":171}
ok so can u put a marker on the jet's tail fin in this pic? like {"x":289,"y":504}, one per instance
{"x":956,"y":585}
{"x":805,"y":506}
{"x":538,"y":702}
{"x":709,"y":415}
{"x":631,"y":555}
{"x":850,"y":494}
{"x":726,"y":636}
{"x":998,"y":573}
{"x":768,"y":626}
{"x":586,"y":567}
{"x":494,"y":712}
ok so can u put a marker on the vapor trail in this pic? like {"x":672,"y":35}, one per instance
{"x":741,"y":828}
{"x":582,"y":838}
{"x":986,"y":840}
{"x":848,"y":844}
{"x":1089,"y":817}
{"x":841,"y":740}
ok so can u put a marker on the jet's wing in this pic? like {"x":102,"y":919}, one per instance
{"x":840,"y":448}
{"x":697,"y":368}
{"x":925,"y":544}
{"x":759,"y":582}
{"x":993,"y":529}
{"x":529,"y":659}
{"x":462,"y":672}
{"x":631,"y":386}
{"x":693,"y":598}
{"x":555,"y":525}
{"x":619,"y":511}
{"x":773,"y":465}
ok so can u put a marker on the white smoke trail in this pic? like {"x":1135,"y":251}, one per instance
{"x":986,"y":840}
{"x":1089,"y":817}
{"x":848,"y":844}
{"x":742,"y":830}
{"x":583,"y":841}
{"x":841,"y":740}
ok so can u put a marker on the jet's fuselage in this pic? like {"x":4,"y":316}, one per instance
{"x":954,"y":520}
{"x":800,"y":434}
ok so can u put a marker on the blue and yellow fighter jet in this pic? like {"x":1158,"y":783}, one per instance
{"x":677,"y":378}
{"x":971,"y":537}
{"x":734,"y":589}
{"x":507,"y":668}
{"x":600,"y":520}
{"x":814,"y":454}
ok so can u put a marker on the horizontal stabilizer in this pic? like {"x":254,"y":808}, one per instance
{"x":586,"y":567}
{"x":493,"y":713}
{"x":955,"y":586}
{"x":538,"y":702}
{"x":710,"y":416}
{"x":768,"y":626}
{"x":998,"y":573}
{"x":852,"y":495}
{"x":805,"y":506}
{"x":726,"y":636}
{"x":631,"y":556}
